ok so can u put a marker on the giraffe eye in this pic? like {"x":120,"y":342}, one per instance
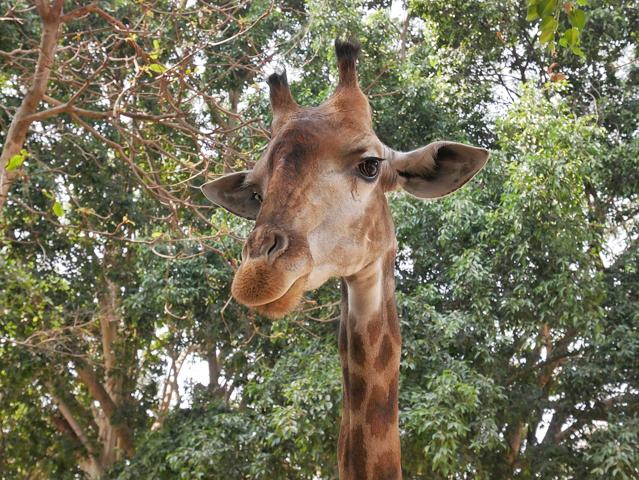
{"x":257,"y":197}
{"x":369,"y":168}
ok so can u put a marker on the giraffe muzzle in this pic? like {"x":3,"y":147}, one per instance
{"x":275,"y":267}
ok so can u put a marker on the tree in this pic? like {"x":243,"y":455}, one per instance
{"x":517,"y":295}
{"x":104,"y":180}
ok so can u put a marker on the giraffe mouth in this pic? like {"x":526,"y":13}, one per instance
{"x":272,"y":290}
{"x":286,"y":303}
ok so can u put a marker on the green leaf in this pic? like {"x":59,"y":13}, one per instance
{"x":156,"y":234}
{"x":578,"y":51}
{"x":156,"y":50}
{"x":548,"y":23}
{"x":532,"y":12}
{"x":14,"y":162}
{"x":546,"y":8}
{"x":57,"y":209}
{"x":540,"y":6}
{"x":577,"y":19}
{"x":17,"y":160}
{"x":157,"y":68}
{"x":548,"y":28}
{"x":582,"y":3}
{"x":572,"y":36}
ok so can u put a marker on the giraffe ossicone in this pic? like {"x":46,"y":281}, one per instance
{"x":317,"y":196}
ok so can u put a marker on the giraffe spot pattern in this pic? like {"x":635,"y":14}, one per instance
{"x":346,"y":379}
{"x":374,"y":330}
{"x":357,"y":452}
{"x":381,"y":411}
{"x":385,"y":353}
{"x":386,"y":467}
{"x":357,"y":391}
{"x":393,"y":321}
{"x":357,"y":350}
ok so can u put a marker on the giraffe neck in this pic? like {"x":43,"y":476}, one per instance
{"x":370,"y":344}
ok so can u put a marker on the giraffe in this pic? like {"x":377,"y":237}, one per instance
{"x":317,"y":196}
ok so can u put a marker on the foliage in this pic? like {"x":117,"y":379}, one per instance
{"x":549,"y":13}
{"x":285,"y":428}
{"x":517,"y":295}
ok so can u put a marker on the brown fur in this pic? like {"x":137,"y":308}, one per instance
{"x":386,"y":467}
{"x":318,"y":216}
{"x":385,"y":353}
{"x":357,"y":389}
{"x":381,"y":411}
{"x":374,"y":329}
{"x":358,"y":457}
{"x":309,"y":146}
{"x":358,"y":353}
{"x":285,"y":303}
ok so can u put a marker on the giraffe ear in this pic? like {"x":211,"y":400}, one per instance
{"x":437,"y":169}
{"x":232,"y":193}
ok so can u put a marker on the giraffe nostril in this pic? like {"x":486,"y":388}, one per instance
{"x":266,"y":242}
{"x":279,"y":243}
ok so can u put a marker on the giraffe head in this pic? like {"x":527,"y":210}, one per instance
{"x":317,"y":195}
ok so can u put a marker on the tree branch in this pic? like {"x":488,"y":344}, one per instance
{"x":79,"y":12}
{"x":75,"y":426}
{"x":98,"y":392}
{"x":514,"y":443}
{"x":170,"y":386}
{"x":17,"y":133}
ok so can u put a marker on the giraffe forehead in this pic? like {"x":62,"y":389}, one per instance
{"x":315,"y":134}
{"x":295,"y":147}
